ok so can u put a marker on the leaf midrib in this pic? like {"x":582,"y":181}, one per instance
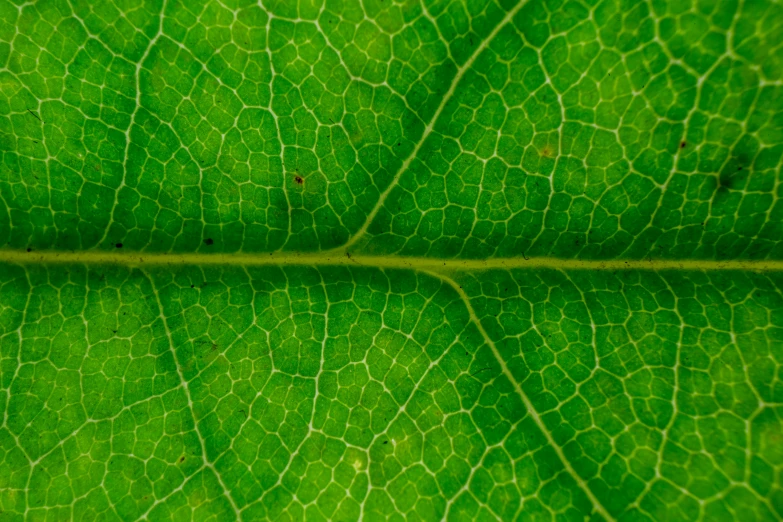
{"x":429,"y":264}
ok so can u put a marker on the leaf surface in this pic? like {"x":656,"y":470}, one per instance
{"x":391,"y":260}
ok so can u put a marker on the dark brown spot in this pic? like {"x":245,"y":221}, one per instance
{"x":299,"y":180}
{"x":682,"y":145}
{"x":208,"y":241}
{"x":182,"y":459}
{"x":118,"y":245}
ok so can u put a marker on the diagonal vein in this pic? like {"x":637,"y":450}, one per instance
{"x":597,"y":506}
{"x":205,"y":461}
{"x":428,"y":130}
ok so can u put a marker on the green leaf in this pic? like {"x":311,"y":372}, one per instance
{"x":391,"y":260}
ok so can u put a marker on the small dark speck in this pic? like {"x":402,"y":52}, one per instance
{"x":682,"y":145}
{"x":209,"y":241}
{"x":182,"y":459}
{"x":739,"y":168}
{"x":29,"y":249}
{"x":299,"y":180}
{"x":118,"y":245}
{"x":386,"y":442}
{"x":192,"y":286}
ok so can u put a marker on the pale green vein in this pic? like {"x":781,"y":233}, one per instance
{"x":428,"y":130}
{"x":597,"y":506}
{"x":205,"y":461}
{"x":94,"y":257}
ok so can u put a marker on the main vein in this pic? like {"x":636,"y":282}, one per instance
{"x":428,"y":130}
{"x":95,"y":257}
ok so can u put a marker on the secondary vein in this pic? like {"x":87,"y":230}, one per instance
{"x":428,"y":130}
{"x":597,"y":506}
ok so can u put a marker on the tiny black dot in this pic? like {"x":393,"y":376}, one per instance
{"x":208,"y":241}
{"x":118,"y":245}
{"x":682,"y":145}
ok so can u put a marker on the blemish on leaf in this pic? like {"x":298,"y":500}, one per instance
{"x":209,"y":241}
{"x":118,"y":245}
{"x":299,"y":180}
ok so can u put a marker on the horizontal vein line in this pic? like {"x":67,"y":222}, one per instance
{"x":415,"y":263}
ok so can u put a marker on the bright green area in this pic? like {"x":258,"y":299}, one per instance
{"x":598,"y":129}
{"x":590,"y":129}
{"x":339,"y":393}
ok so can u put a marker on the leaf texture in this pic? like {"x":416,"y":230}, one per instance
{"x":391,"y":260}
